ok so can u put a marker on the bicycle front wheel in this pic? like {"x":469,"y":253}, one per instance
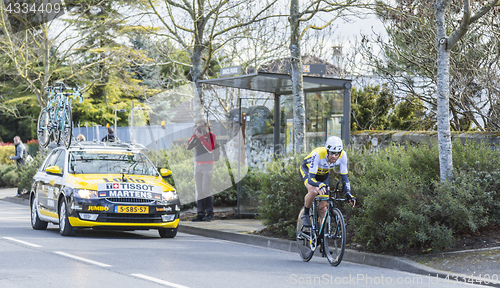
{"x":66,"y":127}
{"x":43,"y":128}
{"x":334,"y":237}
{"x":302,"y":238}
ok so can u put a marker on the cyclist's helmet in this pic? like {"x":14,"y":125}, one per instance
{"x":334,"y":144}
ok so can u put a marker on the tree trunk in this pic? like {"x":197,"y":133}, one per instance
{"x":443,"y":95}
{"x":198,"y":109}
{"x":299,"y":128}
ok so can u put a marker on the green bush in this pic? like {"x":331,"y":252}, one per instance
{"x":10,"y":178}
{"x":5,"y":152}
{"x":7,"y":170}
{"x":404,"y":205}
{"x":282,"y":193}
{"x":28,"y":171}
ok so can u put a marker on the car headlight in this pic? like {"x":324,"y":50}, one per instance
{"x":170,"y":195}
{"x":86,"y":194}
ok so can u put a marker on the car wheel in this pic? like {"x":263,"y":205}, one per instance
{"x":167,"y":232}
{"x":36,"y":222}
{"x":65,"y":227}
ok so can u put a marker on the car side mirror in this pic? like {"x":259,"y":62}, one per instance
{"x":165,"y":173}
{"x":54,"y":170}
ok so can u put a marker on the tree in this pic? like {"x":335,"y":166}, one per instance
{"x":302,"y":14}
{"x":370,"y":107}
{"x":116,"y":63}
{"x":409,"y":61}
{"x":203,"y":27}
{"x":444,"y":44}
{"x":409,"y":114}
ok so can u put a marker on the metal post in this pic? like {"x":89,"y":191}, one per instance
{"x":238,"y":187}
{"x":277,"y":124}
{"x":132,"y":124}
{"x":96,"y":127}
{"x":115,"y":125}
{"x":346,"y":121}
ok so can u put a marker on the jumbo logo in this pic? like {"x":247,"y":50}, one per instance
{"x":98,"y":208}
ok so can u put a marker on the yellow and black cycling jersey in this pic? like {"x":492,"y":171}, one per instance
{"x":315,"y":167}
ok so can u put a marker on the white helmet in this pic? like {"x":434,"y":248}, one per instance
{"x":334,"y":144}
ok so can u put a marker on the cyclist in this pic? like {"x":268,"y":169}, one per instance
{"x":314,"y":172}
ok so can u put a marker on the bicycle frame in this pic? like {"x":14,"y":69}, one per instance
{"x":317,"y":235}
{"x":57,"y":110}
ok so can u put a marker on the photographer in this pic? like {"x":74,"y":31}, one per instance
{"x":203,"y":142}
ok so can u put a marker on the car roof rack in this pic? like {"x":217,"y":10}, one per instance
{"x":127,"y":145}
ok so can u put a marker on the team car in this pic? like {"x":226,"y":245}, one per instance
{"x":103,"y":185}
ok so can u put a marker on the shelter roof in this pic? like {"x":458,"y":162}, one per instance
{"x":280,"y":84}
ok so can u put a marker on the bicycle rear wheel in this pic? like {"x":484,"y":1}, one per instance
{"x":334,"y":237}
{"x":302,"y":242}
{"x":43,"y":128}
{"x":66,"y":127}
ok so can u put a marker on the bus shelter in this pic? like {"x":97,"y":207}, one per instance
{"x":267,"y":121}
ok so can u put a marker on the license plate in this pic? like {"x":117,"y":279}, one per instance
{"x":132,"y":209}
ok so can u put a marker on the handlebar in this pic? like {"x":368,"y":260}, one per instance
{"x":332,"y":192}
{"x":58,"y":88}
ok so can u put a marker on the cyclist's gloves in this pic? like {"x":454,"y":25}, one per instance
{"x":322,"y":188}
{"x":350,"y":197}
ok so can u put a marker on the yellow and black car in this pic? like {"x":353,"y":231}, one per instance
{"x":103,"y":185}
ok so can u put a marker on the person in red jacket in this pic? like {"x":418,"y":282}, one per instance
{"x":203,"y":142}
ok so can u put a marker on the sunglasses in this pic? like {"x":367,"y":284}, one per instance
{"x":335,"y":153}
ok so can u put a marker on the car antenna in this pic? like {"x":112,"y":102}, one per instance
{"x":123,"y":175}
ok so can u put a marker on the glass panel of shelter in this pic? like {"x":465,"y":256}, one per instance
{"x":258,"y":137}
{"x":324,"y":114}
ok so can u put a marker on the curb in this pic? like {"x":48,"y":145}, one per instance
{"x":268,"y":242}
{"x":365,"y":258}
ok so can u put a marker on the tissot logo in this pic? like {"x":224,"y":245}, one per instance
{"x":113,"y":186}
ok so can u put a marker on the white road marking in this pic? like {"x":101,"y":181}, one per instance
{"x":159,"y":281}
{"x":22,"y":242}
{"x":83,"y":259}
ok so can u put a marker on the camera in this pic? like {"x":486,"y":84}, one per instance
{"x":199,"y":129}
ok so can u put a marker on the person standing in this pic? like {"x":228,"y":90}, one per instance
{"x":19,"y":157}
{"x":111,"y":135}
{"x":203,"y":143}
{"x":80,"y":138}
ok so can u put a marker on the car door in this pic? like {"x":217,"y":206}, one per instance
{"x":57,"y":182}
{"x":45,"y":188}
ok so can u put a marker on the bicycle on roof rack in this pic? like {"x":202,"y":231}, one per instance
{"x":118,"y":144}
{"x":330,"y":235}
{"x":55,"y":123}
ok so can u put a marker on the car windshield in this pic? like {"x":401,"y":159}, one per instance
{"x":110,"y":162}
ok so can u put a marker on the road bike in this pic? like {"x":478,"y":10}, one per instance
{"x":55,"y":123}
{"x":330,"y":235}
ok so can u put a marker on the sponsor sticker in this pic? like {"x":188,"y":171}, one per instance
{"x":98,"y":208}
{"x":129,"y":190}
{"x":163,"y":209}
